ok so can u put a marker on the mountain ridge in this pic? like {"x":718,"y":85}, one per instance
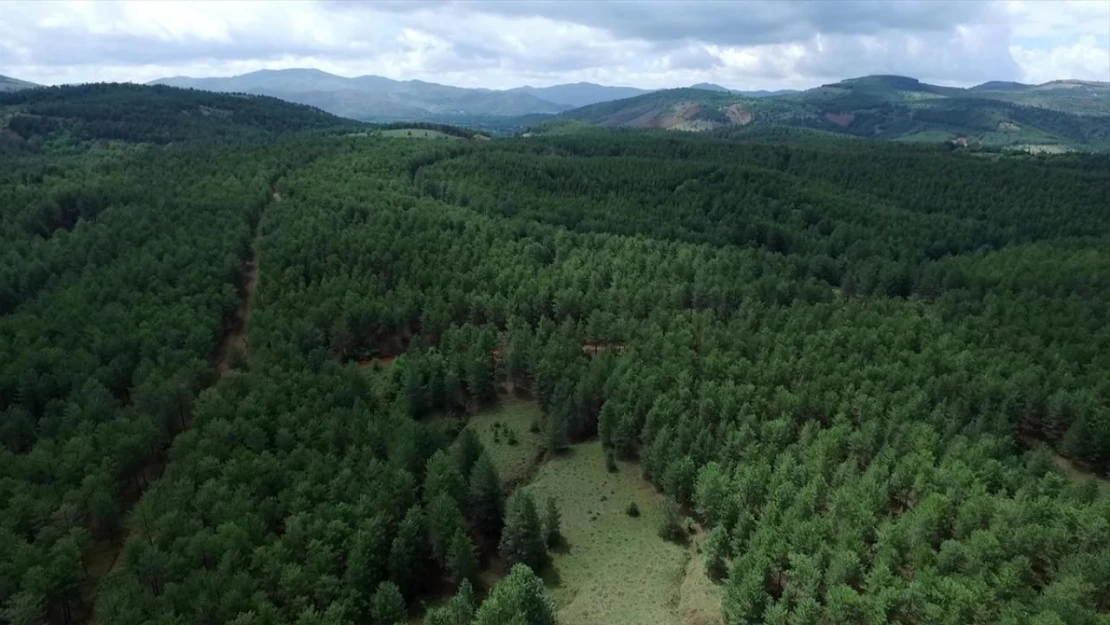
{"x":1054,"y":116}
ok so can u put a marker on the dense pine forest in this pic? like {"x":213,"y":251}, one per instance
{"x":244,"y":342}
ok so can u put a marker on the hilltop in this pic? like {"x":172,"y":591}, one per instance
{"x":1057,"y":115}
{"x":154,"y":114}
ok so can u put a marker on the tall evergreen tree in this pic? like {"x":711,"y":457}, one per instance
{"x":487,"y":503}
{"x":387,"y":607}
{"x":523,"y":540}
{"x":462,"y":558}
{"x":408,"y":552}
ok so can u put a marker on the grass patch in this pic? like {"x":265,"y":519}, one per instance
{"x":700,"y":597}
{"x":613,"y":569}
{"x":505,"y":431}
{"x":417,"y":133}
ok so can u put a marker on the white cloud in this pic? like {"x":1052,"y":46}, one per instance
{"x":749,"y":45}
{"x":1085,"y":60}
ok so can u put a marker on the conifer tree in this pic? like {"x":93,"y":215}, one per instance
{"x":522,"y":541}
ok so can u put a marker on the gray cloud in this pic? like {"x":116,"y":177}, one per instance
{"x":724,"y":22}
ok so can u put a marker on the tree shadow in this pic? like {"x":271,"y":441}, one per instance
{"x":551,"y":577}
{"x":562,"y":547}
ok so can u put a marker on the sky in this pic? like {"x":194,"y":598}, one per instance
{"x":741,"y":44}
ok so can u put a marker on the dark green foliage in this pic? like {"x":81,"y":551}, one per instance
{"x":487,"y":503}
{"x":524,"y":540}
{"x":408,"y":553}
{"x":857,"y":359}
{"x":462,"y":559}
{"x":610,"y":460}
{"x":716,"y":552}
{"x":387,"y":606}
{"x":551,"y":520}
{"x":155,"y":114}
{"x":632,"y":510}
{"x":459,"y":611}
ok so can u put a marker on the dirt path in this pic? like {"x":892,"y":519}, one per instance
{"x":105,"y":556}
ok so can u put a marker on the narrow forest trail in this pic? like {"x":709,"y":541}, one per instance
{"x":105,"y":555}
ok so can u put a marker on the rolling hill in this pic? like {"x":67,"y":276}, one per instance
{"x":7,"y":83}
{"x":149,"y":114}
{"x":373,"y":98}
{"x":1054,"y":116}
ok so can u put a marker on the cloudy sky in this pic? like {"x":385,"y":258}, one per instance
{"x":743,"y":44}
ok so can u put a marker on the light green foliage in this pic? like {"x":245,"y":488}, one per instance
{"x":519,"y":599}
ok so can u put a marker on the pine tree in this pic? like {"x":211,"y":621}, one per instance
{"x":551,"y":523}
{"x":406,"y":556}
{"x":462,"y":558}
{"x":459,"y":611}
{"x":522,"y":541}
{"x":518,"y":600}
{"x":387,"y":607}
{"x":444,"y":520}
{"x":368,"y":560}
{"x":487,"y":504}
{"x":716,"y":551}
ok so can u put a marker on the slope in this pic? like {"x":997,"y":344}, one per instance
{"x":885,"y":107}
{"x":8,"y":83}
{"x":154,"y":114}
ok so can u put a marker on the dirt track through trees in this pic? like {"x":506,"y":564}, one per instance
{"x":233,"y":344}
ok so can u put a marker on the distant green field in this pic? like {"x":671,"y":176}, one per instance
{"x":417,"y":133}
{"x":615,"y":569}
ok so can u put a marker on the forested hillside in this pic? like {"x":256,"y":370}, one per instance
{"x":1057,"y":116}
{"x":877,"y":376}
{"x":141,"y":114}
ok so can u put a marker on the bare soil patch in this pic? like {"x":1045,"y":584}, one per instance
{"x":739,"y":114}
{"x":841,"y":119}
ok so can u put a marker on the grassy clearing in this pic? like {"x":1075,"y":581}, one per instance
{"x":512,"y":417}
{"x":1074,"y":472}
{"x":614,"y":568}
{"x":417,"y":133}
{"x":699,"y":601}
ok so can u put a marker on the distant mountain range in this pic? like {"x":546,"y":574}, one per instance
{"x":1056,"y":115}
{"x":374,"y":98}
{"x":1061,"y":114}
